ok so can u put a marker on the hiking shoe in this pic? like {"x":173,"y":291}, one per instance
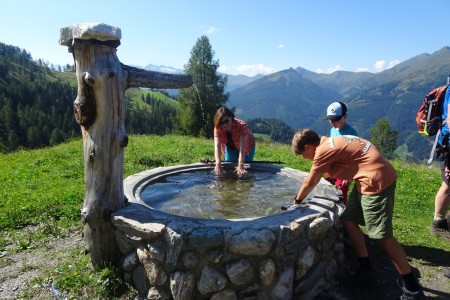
{"x":360,"y":279}
{"x":441,"y":229}
{"x":447,"y":272}
{"x":408,"y":295}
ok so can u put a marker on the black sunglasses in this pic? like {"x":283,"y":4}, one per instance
{"x":225,"y":121}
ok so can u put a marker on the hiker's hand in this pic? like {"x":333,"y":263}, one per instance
{"x":240,"y":170}
{"x":447,"y":173}
{"x":295,"y":202}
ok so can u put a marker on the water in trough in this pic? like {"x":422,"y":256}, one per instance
{"x":202,"y":194}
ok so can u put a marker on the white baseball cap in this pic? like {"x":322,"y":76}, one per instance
{"x":336,"y":110}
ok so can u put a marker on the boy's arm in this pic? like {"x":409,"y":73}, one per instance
{"x":307,"y":186}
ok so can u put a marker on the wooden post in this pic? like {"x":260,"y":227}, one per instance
{"x":99,"y":109}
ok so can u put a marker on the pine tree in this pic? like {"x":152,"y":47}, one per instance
{"x":384,"y":138}
{"x":57,"y":136}
{"x":199,"y":103}
{"x":13,"y":141}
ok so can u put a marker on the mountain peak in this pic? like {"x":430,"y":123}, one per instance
{"x":163,"y":69}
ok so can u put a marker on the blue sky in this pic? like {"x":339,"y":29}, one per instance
{"x":248,"y":36}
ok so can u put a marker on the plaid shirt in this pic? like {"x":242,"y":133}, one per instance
{"x":239,"y":128}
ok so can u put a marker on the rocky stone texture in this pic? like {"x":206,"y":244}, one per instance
{"x":293,"y":254}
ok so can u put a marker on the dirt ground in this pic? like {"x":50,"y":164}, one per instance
{"x":17,"y":270}
{"x":430,"y":275}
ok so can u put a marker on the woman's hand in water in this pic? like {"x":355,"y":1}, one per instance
{"x":240,"y":170}
{"x":218,"y":169}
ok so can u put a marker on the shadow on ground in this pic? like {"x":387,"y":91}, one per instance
{"x":427,"y":265}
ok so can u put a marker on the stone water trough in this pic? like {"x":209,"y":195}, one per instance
{"x":290,"y":255}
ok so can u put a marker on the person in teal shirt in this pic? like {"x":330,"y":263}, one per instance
{"x":337,"y":115}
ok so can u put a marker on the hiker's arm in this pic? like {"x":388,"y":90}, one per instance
{"x":448,"y":116}
{"x":447,"y":168}
{"x":242,"y":147}
{"x":217,"y":155}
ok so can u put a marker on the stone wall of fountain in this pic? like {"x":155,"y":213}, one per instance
{"x":295,"y":254}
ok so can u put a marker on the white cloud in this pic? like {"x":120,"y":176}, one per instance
{"x":252,"y":70}
{"x":393,"y":63}
{"x":225,"y":69}
{"x":249,"y":70}
{"x":212,"y":29}
{"x":381,"y":65}
{"x":362,"y":69}
{"x":280,"y":46}
{"x":330,"y":70}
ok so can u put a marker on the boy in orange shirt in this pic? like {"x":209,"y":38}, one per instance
{"x":370,"y":203}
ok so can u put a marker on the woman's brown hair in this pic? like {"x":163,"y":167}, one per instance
{"x":220,"y":113}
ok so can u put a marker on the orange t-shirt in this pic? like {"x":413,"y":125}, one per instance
{"x":353,"y":158}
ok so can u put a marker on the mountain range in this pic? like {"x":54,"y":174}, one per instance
{"x":299,"y":97}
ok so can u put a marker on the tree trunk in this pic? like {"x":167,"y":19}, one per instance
{"x":99,"y":109}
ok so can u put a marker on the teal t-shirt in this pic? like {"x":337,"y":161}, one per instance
{"x":347,"y":130}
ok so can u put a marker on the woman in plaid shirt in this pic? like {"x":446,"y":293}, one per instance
{"x":233,"y":138}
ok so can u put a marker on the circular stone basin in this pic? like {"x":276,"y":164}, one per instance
{"x":263,"y":253}
{"x":202,"y":194}
{"x":194,"y":191}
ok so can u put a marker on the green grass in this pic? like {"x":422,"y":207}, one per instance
{"x":43,"y":189}
{"x":69,"y":77}
{"x":135,"y":95}
{"x":41,"y":186}
{"x":260,"y":137}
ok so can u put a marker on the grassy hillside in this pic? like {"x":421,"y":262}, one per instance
{"x":69,"y":77}
{"x":43,"y":189}
{"x":136,"y":94}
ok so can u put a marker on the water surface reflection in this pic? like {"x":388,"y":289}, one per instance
{"x":201,"y":194}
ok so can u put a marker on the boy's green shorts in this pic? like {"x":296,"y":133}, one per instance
{"x":372,"y":211}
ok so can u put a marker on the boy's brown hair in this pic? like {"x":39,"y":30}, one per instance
{"x":304,"y":137}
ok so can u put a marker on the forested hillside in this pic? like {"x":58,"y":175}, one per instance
{"x":35,"y":104}
{"x":149,"y":112}
{"x":275,"y":129}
